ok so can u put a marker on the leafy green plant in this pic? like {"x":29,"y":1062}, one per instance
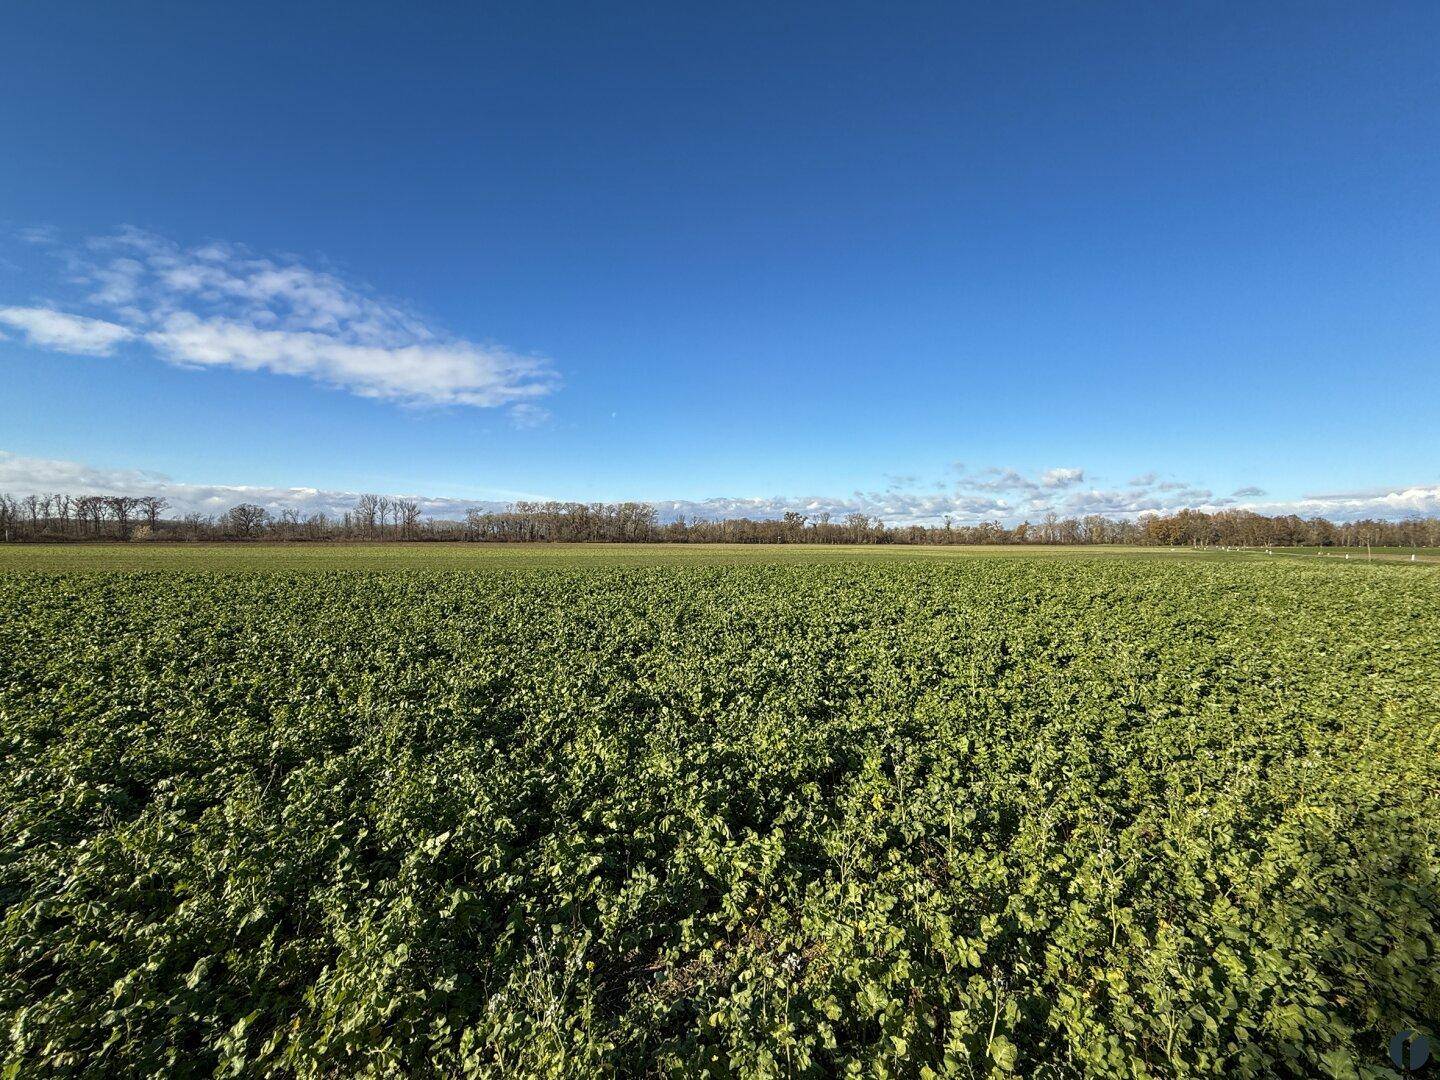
{"x":961,"y":818}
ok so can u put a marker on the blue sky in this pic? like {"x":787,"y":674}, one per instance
{"x":1107,"y":256}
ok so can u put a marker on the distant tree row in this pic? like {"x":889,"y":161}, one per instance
{"x":59,"y":517}
{"x":78,"y":517}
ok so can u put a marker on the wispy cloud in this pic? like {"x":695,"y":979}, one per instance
{"x":48,"y":329}
{"x":37,"y":234}
{"x":526,"y":415}
{"x":220,"y":305}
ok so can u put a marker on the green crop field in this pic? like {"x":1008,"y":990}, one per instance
{"x":1362,"y":553}
{"x":530,"y":812}
{"x":460,"y":556}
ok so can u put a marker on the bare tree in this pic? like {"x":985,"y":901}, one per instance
{"x":121,"y":507}
{"x":152,"y":506}
{"x":407,"y":515}
{"x":367,"y":510}
{"x":246,"y":520}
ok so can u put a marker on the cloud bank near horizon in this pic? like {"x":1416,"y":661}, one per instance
{"x":221,"y":305}
{"x":986,"y":495}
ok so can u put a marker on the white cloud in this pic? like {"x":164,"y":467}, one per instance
{"x":1416,"y":500}
{"x":220,"y":305}
{"x":1061,"y":478}
{"x":1002,"y":480}
{"x":892,"y":507}
{"x":48,"y":329}
{"x":38,"y":234}
{"x":526,"y":415}
{"x":458,"y":373}
{"x":1133,"y":501}
{"x":997,"y":479}
{"x":118,"y":284}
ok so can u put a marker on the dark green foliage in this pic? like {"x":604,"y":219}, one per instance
{"x":965,"y":818}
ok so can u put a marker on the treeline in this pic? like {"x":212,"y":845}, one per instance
{"x":60,"y":517}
